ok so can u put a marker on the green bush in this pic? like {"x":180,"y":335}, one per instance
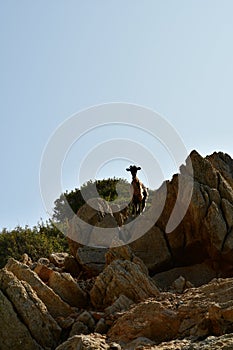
{"x":39,"y":241}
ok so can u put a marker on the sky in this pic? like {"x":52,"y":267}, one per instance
{"x":59,"y":57}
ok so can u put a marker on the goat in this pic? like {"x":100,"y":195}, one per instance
{"x":138,"y":190}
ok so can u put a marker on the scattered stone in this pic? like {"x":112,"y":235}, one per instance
{"x":124,"y":252}
{"x":199,"y":312}
{"x":26,"y":259}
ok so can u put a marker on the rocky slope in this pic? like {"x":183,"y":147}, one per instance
{"x":163,"y":291}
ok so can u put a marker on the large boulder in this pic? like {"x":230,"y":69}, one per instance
{"x":91,"y":259}
{"x":121,"y":277}
{"x":30,"y":309}
{"x":13,"y":332}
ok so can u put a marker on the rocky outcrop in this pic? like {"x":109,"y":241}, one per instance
{"x":206,"y":231}
{"x":199,"y":312}
{"x":121,"y":277}
{"x":55,"y":305}
{"x":104,"y":298}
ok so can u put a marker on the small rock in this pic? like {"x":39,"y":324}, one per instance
{"x":43,"y":271}
{"x":79,"y":328}
{"x":58,"y":259}
{"x":121,"y":304}
{"x":101,"y":327}
{"x":65,"y":323}
{"x":44,"y":261}
{"x":26,"y":259}
{"x":87,"y":319}
{"x":72,"y":266}
{"x":179,"y":284}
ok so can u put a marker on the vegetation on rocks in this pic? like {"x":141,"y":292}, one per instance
{"x":38,"y":241}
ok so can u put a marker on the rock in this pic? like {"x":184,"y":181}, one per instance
{"x":55,"y":305}
{"x":26,"y":259}
{"x":43,"y":261}
{"x":91,"y":259}
{"x":97,"y":213}
{"x":85,"y":342}
{"x":179,"y":284}
{"x":79,"y":328}
{"x":150,"y":319}
{"x":121,"y":304}
{"x":87,"y":319}
{"x":124,"y":252}
{"x":139,"y":343}
{"x":199,"y":312}
{"x":58,"y":259}
{"x":206,"y":231}
{"x":65,"y":323}
{"x":30,"y":309}
{"x":72,"y":266}
{"x":223,"y":342}
{"x":13,"y":333}
{"x":65,"y":286}
{"x":121,"y":277}
{"x":43,"y":271}
{"x":101,"y":327}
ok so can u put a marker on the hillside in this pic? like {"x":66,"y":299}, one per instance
{"x":158,"y":290}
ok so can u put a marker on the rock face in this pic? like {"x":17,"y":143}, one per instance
{"x":206,"y":231}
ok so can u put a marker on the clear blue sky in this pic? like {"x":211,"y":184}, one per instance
{"x":58,"y":57}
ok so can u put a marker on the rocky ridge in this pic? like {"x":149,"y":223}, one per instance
{"x":162,"y":291}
